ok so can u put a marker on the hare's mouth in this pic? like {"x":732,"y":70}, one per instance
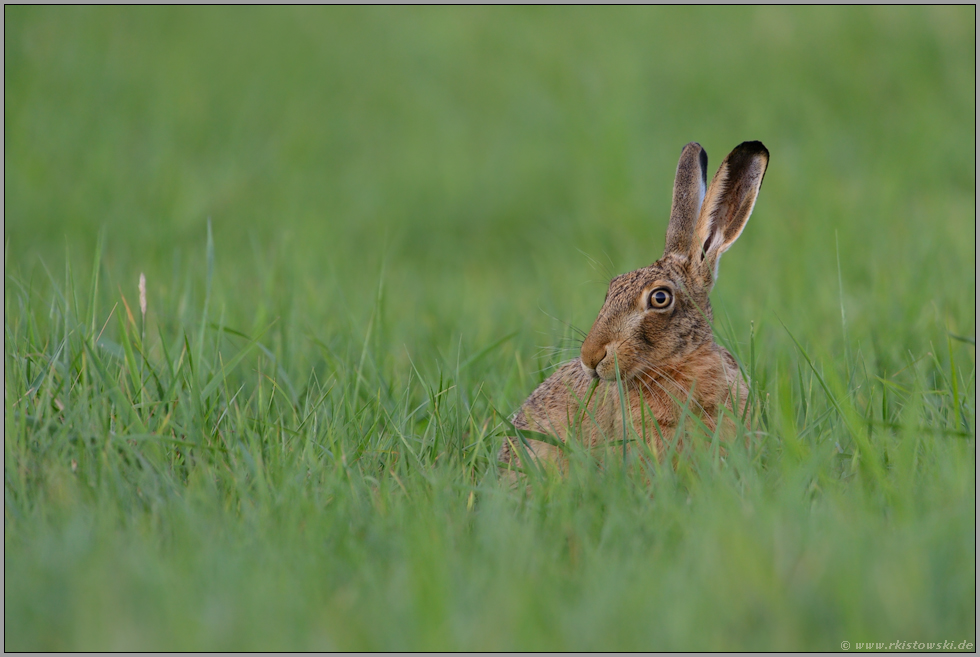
{"x":606,"y":369}
{"x":605,"y":361}
{"x":589,"y":371}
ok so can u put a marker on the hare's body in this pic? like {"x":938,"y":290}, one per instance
{"x":652,"y":345}
{"x":710,"y":381}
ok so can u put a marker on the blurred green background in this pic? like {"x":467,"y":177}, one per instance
{"x":479,"y":152}
{"x":490,"y":169}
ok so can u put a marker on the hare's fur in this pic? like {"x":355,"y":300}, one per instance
{"x":666,"y":357}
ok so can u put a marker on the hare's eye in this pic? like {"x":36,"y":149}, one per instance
{"x":661,"y":298}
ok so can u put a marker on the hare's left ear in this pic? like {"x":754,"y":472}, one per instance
{"x":727,"y":206}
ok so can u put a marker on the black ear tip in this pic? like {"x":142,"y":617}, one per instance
{"x":703,"y":161}
{"x":753,"y":148}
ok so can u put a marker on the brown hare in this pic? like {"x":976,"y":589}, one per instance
{"x":654,"y":328}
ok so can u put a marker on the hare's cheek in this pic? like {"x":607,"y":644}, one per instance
{"x":655,"y":332}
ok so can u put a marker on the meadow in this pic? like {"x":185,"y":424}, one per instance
{"x":368,"y":233}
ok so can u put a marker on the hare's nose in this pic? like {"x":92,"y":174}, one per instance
{"x":592,"y":353}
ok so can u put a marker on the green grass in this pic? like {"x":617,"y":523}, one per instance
{"x":294,"y":448}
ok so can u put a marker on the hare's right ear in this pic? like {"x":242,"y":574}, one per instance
{"x":689,"y":188}
{"x":726,"y":207}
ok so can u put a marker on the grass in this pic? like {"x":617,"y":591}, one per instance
{"x":366,"y":234}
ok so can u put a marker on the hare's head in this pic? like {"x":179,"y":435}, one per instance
{"x":655,"y":316}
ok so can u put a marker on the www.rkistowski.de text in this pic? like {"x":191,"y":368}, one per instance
{"x":909,"y":645}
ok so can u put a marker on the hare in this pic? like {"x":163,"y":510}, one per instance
{"x":654,"y":328}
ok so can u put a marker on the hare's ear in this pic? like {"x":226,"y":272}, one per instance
{"x":689,"y":187}
{"x":727,"y":206}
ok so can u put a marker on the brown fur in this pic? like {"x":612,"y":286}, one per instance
{"x":667,"y":358}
